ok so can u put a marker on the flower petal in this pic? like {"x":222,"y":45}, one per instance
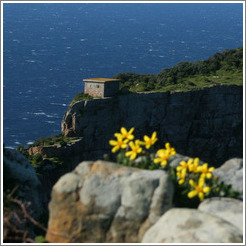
{"x":201,"y":182}
{"x":116,"y":148}
{"x":153,"y":135}
{"x":161,"y":152}
{"x":211,"y":169}
{"x":164,"y":163}
{"x":133,"y":156}
{"x":192,"y":193}
{"x":179,"y":168}
{"x":167,"y":145}
{"x":131,"y":144}
{"x":157,"y":160}
{"x":123,"y":131}
{"x":113,"y":142}
{"x":190,"y":161}
{"x":192,"y":183}
{"x":206,"y":189}
{"x":123,"y":146}
{"x":131,"y":130}
{"x":148,"y":146}
{"x":201,"y":196}
{"x":196,"y":161}
{"x":146,"y":138}
{"x":173,"y":152}
{"x":128,"y":153}
{"x":139,"y":150}
{"x":118,"y":135}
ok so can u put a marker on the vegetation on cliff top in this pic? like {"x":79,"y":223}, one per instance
{"x":56,"y":139}
{"x":79,"y":97}
{"x":38,"y":160}
{"x":225,"y":68}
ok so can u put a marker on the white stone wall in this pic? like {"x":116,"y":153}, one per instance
{"x":94,"y":89}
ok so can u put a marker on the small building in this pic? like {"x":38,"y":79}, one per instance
{"x":101,"y":87}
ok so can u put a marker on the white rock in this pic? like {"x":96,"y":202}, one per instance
{"x":231,"y":172}
{"x":181,"y":225}
{"x":228,"y":209}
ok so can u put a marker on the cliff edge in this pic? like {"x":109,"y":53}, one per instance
{"x":207,"y":123}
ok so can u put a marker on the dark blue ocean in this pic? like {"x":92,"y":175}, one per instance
{"x":49,"y":48}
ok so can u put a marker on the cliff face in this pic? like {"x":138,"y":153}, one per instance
{"x":206,"y":123}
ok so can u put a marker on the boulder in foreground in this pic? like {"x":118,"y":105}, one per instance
{"x":106,"y":202}
{"x":183,"y":225}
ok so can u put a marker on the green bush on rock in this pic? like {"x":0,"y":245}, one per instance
{"x":80,"y":97}
{"x":38,"y":160}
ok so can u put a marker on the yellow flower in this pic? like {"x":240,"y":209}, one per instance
{"x":125,"y":134}
{"x":199,"y":189}
{"x":181,"y":170}
{"x":149,"y":141}
{"x":135,"y":150}
{"x":184,"y":165}
{"x":206,"y":172}
{"x":164,"y":155}
{"x":171,"y":151}
{"x":119,"y":143}
{"x":190,"y":165}
{"x":193,"y":166}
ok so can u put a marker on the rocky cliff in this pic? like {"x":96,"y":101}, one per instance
{"x":207,"y":123}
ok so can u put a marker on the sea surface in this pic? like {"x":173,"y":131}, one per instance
{"x":49,"y":48}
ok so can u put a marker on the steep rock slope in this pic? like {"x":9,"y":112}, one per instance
{"x":207,"y":123}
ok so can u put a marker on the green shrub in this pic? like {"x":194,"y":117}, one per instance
{"x":57,"y":139}
{"x":189,"y":75}
{"x":80,"y":97}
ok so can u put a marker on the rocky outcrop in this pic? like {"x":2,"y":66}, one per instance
{"x":106,"y":202}
{"x":103,"y":202}
{"x":231,"y":172}
{"x":20,"y":174}
{"x":73,"y":148}
{"x":22,"y":200}
{"x":183,"y":225}
{"x":228,"y":209}
{"x":207,"y":123}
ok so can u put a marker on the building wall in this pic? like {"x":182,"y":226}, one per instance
{"x":111,"y":88}
{"x":94,"y":89}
